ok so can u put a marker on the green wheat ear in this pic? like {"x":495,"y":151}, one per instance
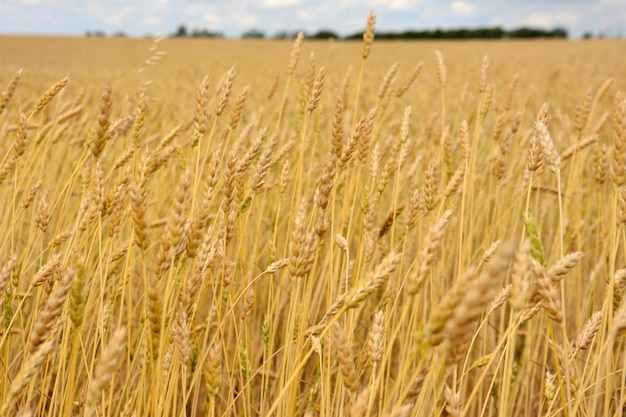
{"x":8,"y":307}
{"x":195,"y":354}
{"x":244,"y":363}
{"x":271,"y":252}
{"x":266,"y":335}
{"x":536,"y":247}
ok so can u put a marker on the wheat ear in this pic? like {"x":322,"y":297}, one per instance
{"x":8,"y":91}
{"x":428,"y":254}
{"x":27,"y":371}
{"x":105,"y":368}
{"x":344,"y":355}
{"x":46,"y":319}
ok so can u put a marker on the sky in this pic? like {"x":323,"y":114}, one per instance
{"x":233,"y":17}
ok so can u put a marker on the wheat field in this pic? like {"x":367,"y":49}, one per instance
{"x":299,"y":228}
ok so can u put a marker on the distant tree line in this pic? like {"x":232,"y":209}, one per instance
{"x":461,"y":33}
{"x":101,"y":34}
{"x":466,"y":33}
{"x":183,"y":32}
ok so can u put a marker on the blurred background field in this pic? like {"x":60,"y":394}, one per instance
{"x":558,"y":70}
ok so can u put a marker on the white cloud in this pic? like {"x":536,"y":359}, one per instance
{"x":378,"y":5}
{"x":567,"y":17}
{"x":116,"y":17}
{"x":194,"y":9}
{"x":400,"y":4}
{"x":245,"y":20}
{"x":278,"y":4}
{"x":543,"y":20}
{"x":549,"y":20}
{"x":346,"y":4}
{"x":212,"y":19}
{"x":462,"y":7}
{"x":152,"y":21}
{"x":93,"y":7}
